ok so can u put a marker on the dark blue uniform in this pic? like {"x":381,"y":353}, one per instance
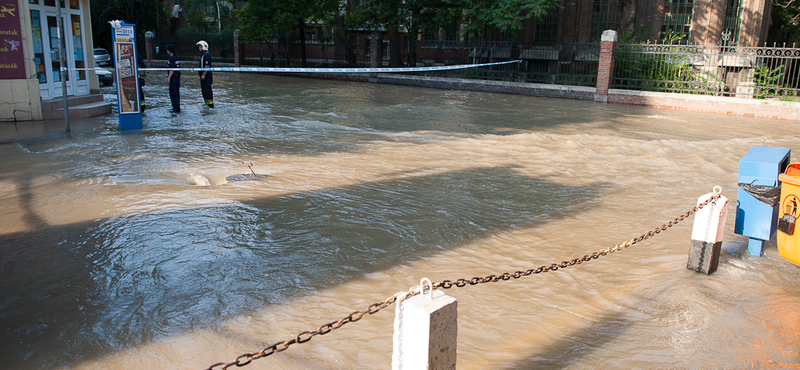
{"x":175,"y":84}
{"x":205,"y":84}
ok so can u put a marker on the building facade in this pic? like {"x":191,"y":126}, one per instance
{"x":705,"y":22}
{"x":32,"y":69}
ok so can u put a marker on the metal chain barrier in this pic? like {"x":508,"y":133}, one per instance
{"x":306,"y":336}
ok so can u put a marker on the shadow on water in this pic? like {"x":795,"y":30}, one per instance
{"x":583,"y":342}
{"x":119,"y":282}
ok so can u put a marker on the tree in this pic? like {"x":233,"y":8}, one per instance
{"x":265,"y":19}
{"x":145,"y":14}
{"x":473,"y":18}
{"x":415,"y":16}
{"x":206,"y":17}
{"x":334,"y":14}
{"x":785,"y":26}
{"x":482,"y":16}
{"x":388,"y":15}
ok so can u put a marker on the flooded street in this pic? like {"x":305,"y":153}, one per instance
{"x":132,"y":251}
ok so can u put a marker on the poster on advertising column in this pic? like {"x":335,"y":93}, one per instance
{"x":124,"y":54}
{"x":12,"y":59}
{"x":126,"y":78}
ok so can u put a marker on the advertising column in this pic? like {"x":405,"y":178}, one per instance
{"x":130,"y":115}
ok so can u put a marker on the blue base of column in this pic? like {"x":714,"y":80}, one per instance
{"x":130,"y":121}
{"x":755,"y":247}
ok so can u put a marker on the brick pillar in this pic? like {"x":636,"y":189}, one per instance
{"x":375,"y":55}
{"x":605,"y":69}
{"x":237,"y":61}
{"x":148,"y":47}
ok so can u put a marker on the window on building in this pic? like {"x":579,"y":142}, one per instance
{"x":544,"y":30}
{"x":678,"y":16}
{"x":38,"y":47}
{"x":733,"y":23}
{"x":606,"y":15}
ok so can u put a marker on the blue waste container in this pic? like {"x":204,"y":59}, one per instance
{"x":759,"y":194}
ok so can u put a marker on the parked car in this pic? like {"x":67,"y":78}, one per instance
{"x":104,"y":76}
{"x":102,"y":57}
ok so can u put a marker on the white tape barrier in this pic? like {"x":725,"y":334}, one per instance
{"x":328,"y":70}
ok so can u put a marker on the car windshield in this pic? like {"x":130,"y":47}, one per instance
{"x":100,"y":52}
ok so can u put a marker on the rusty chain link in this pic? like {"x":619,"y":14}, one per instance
{"x":374,"y":308}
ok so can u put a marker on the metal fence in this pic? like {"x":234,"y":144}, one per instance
{"x":221,"y":48}
{"x":552,"y":63}
{"x":549,"y":63}
{"x":744,"y":72}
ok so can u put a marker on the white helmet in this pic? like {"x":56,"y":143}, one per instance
{"x":203,"y":44}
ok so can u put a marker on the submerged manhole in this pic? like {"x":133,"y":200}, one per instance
{"x":246,"y":176}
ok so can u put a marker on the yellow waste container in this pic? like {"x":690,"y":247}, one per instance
{"x":788,"y":232}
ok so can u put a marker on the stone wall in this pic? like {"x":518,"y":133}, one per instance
{"x":20,"y":101}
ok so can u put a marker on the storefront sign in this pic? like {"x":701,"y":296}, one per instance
{"x":12,"y":59}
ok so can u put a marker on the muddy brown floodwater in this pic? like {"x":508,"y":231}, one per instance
{"x":122,"y":251}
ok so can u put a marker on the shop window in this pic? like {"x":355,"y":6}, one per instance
{"x":55,"y":56}
{"x":38,"y":47}
{"x":77,"y":46}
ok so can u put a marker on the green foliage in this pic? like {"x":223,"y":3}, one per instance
{"x":208,"y":17}
{"x":475,"y":17}
{"x":145,"y":14}
{"x":266,"y":19}
{"x":768,"y":84}
{"x":481,"y":16}
{"x":643,"y":34}
{"x":785,"y":25}
{"x":665,"y":70}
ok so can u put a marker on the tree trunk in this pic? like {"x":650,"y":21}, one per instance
{"x":628,"y":20}
{"x":395,"y":59}
{"x":301,"y":27}
{"x":349,"y":51}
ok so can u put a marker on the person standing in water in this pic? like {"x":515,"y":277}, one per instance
{"x":174,"y":78}
{"x":206,"y":77}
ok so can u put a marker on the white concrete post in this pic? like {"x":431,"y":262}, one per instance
{"x":425,"y":333}
{"x":707,"y":234}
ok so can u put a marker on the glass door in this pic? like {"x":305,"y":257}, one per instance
{"x":47,"y":54}
{"x":75,"y":42}
{"x":54,"y":58}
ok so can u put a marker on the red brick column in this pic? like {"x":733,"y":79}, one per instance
{"x":148,"y":47}
{"x":605,"y":70}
